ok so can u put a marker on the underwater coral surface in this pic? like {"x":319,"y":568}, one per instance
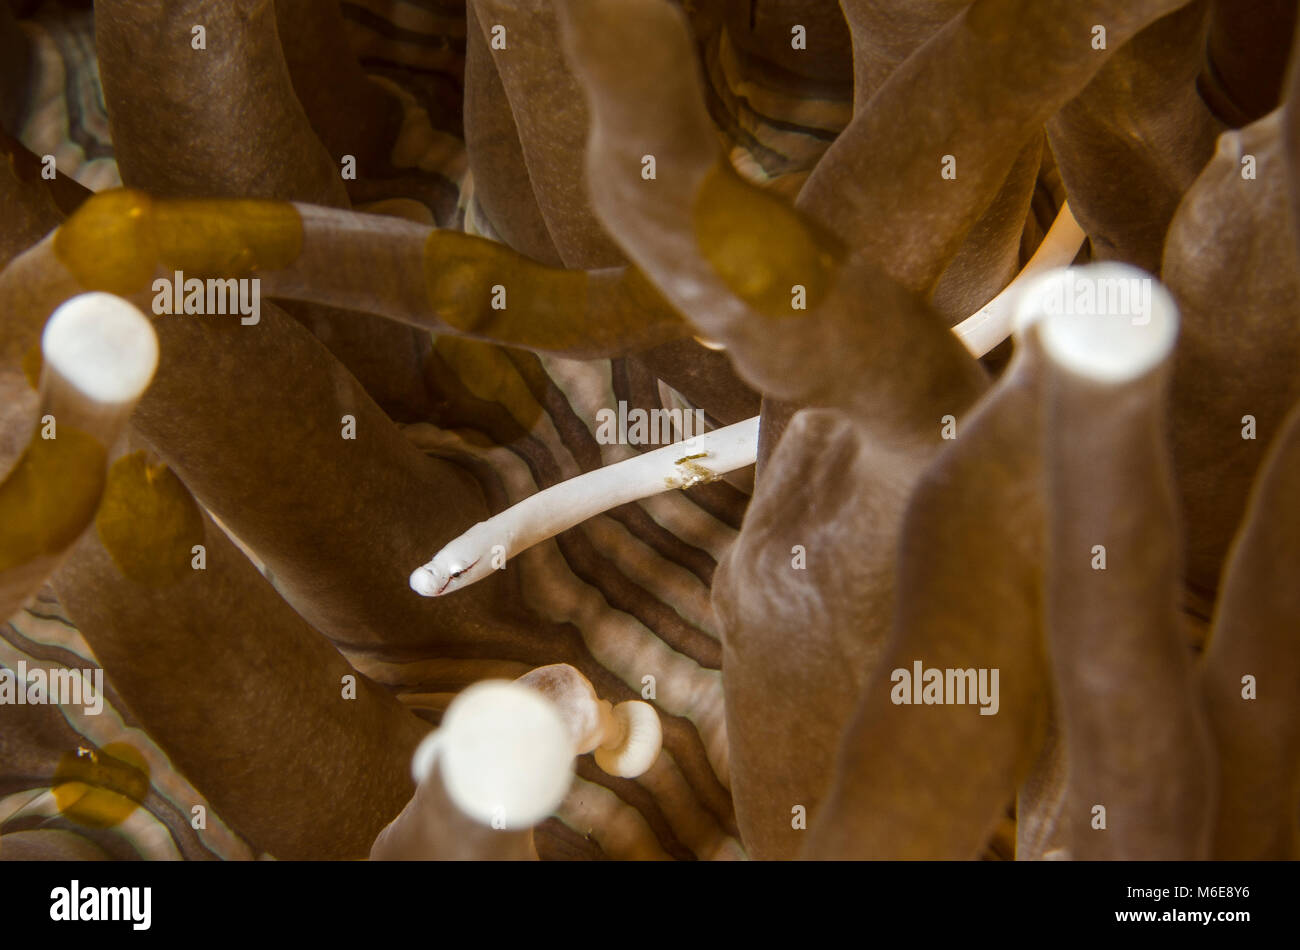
{"x":639,"y":429}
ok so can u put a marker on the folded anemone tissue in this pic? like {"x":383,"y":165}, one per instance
{"x":951,"y":507}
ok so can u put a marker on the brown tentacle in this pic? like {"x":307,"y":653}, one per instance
{"x":1256,"y":728}
{"x":552,"y":127}
{"x":1230,"y":262}
{"x":1135,"y":734}
{"x":1132,"y":143}
{"x":247,"y":699}
{"x":967,"y":597}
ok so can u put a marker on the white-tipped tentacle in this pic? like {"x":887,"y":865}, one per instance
{"x":99,"y":353}
{"x":103,"y":351}
{"x":504,"y":753}
{"x":626,"y":738}
{"x":1127,"y":325}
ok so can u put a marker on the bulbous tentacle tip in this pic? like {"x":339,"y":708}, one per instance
{"x":505,"y":754}
{"x":637,"y":747}
{"x":103,"y":346}
{"x":1109,"y":322}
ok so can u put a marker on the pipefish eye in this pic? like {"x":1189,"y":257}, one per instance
{"x":459,"y":571}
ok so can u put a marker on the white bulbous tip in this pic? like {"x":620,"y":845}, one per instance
{"x":425,"y":582}
{"x":102,"y":345}
{"x":505,"y":755}
{"x":1109,"y":323}
{"x":636,"y":749}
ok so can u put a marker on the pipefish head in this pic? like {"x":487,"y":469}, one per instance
{"x":469,"y":558}
{"x":443,"y":575}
